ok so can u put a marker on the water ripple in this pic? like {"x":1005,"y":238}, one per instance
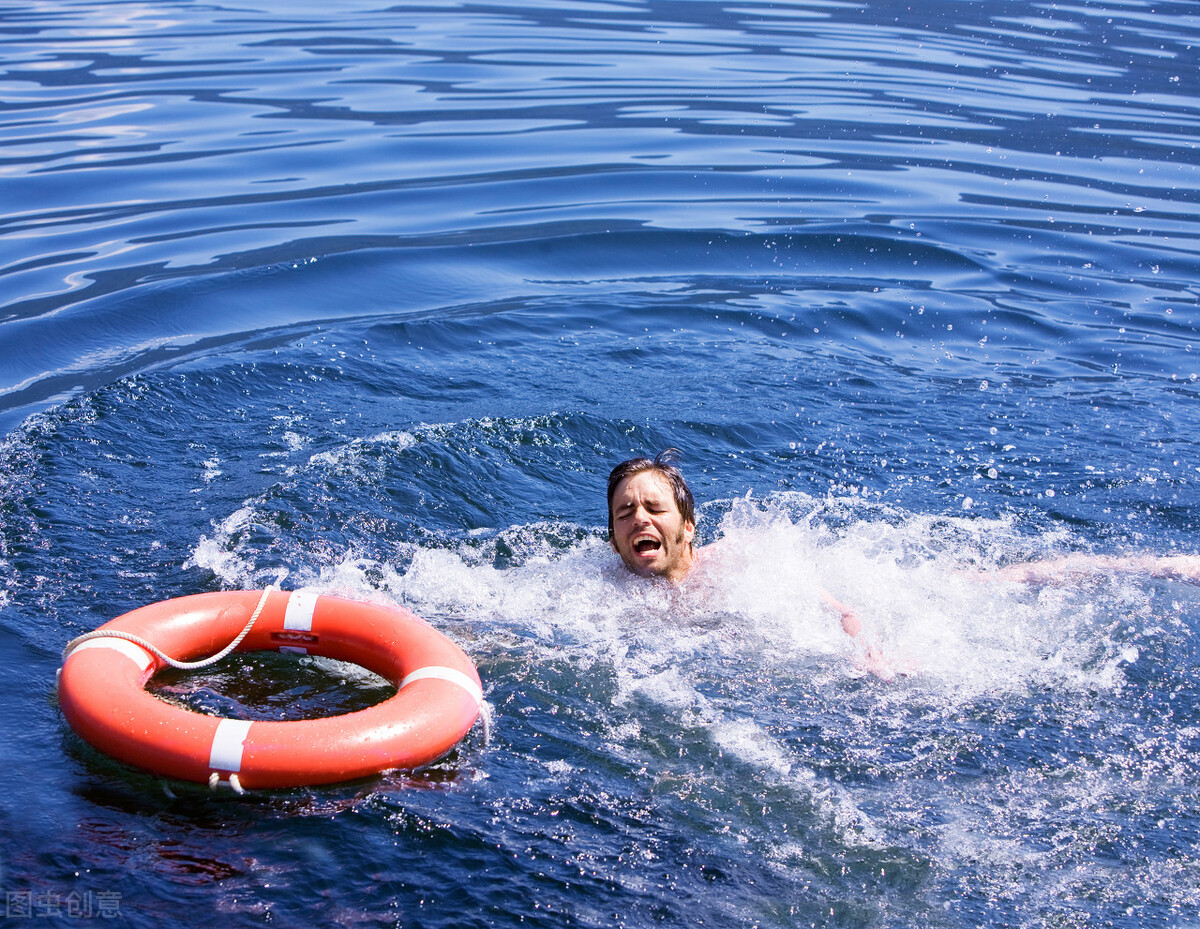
{"x":376,"y":297}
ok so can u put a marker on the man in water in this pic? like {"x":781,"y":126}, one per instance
{"x":652,"y":524}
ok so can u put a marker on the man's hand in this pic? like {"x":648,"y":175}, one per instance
{"x":871,"y":658}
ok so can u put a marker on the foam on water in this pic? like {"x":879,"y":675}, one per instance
{"x":925,"y":588}
{"x":737,"y":666}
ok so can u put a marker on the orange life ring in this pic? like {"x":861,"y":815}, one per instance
{"x":102,"y":691}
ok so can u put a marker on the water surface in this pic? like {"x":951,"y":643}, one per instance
{"x":370,"y":299}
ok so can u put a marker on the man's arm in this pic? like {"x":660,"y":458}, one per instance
{"x":1071,"y":568}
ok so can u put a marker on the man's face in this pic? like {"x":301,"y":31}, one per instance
{"x":649,"y":533}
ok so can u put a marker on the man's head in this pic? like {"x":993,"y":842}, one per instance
{"x":652,"y":517}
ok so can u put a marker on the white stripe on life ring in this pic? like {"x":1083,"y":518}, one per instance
{"x":228,"y":742}
{"x":452,"y":675}
{"x":298,"y":617}
{"x":131,"y":651}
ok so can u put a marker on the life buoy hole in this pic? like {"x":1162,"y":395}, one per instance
{"x":265,"y":685}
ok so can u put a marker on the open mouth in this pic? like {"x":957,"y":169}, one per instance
{"x":642,"y":546}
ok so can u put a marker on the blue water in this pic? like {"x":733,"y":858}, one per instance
{"x":370,"y":299}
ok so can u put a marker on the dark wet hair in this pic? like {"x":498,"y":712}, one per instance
{"x":663,"y":463}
